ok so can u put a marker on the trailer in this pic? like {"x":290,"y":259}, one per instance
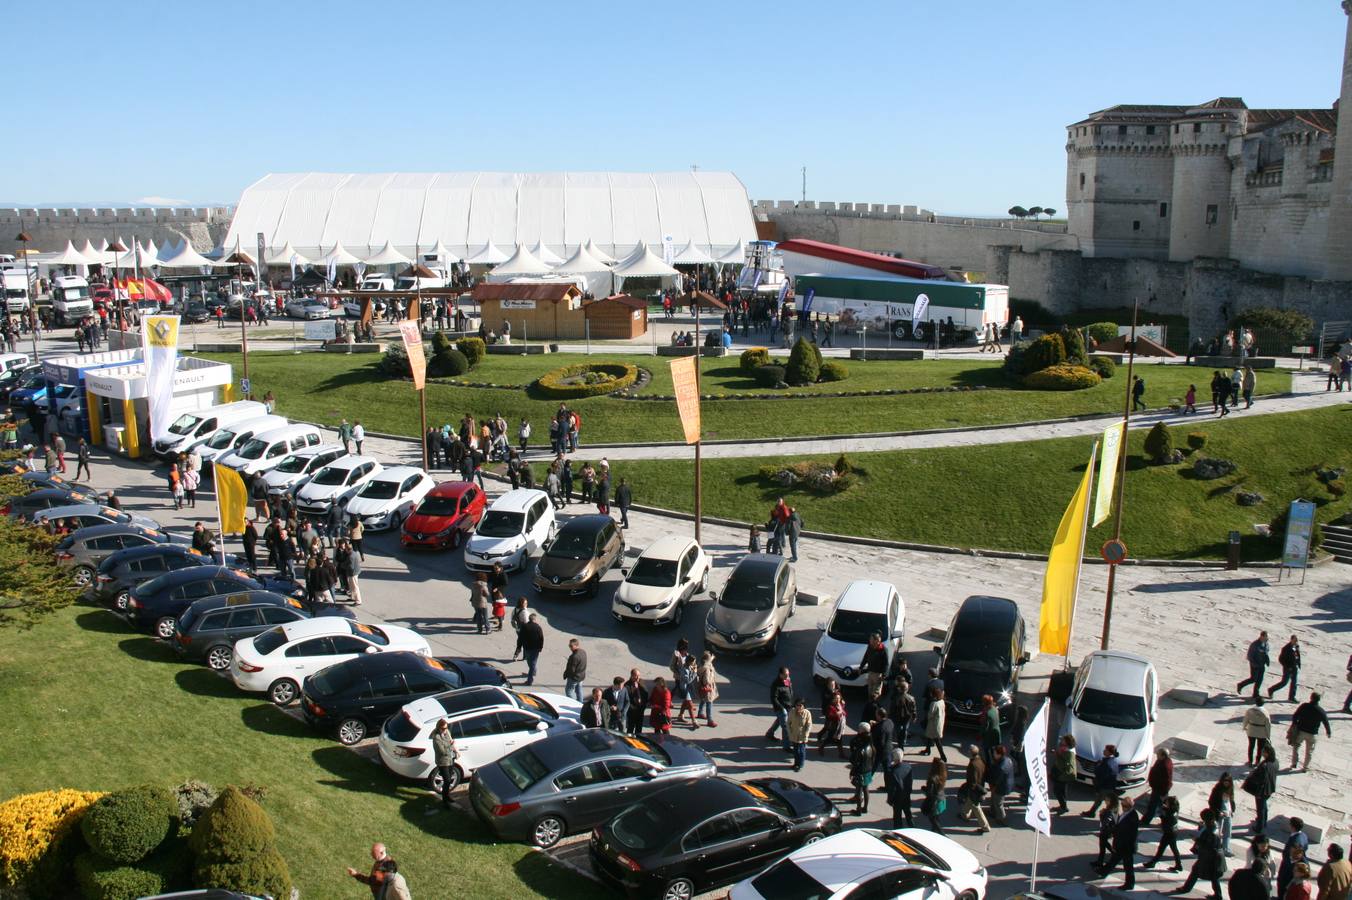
{"x":888,"y":304}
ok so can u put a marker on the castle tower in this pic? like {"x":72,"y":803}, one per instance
{"x":1200,"y":223}
{"x":1338,"y":255}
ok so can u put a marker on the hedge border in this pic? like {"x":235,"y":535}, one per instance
{"x":551,"y":383}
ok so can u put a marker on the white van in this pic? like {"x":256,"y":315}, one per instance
{"x":13,"y":361}
{"x":268,"y":448}
{"x":17,"y":293}
{"x":71,"y":300}
{"x":232,"y":437}
{"x":197,"y":426}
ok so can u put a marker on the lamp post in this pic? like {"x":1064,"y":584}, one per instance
{"x":118,"y":248}
{"x":23,"y":238}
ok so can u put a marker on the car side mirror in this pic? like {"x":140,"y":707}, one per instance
{"x":713,"y":595}
{"x":1023,"y":660}
{"x":541,"y":726}
{"x":821,"y":626}
{"x":649,"y":775}
{"x":939,"y":650}
{"x":624,"y":572}
{"x":372,"y":650}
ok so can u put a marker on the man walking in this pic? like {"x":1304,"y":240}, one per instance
{"x":1305,"y":724}
{"x":899,"y":783}
{"x":376,"y":879}
{"x":624,"y":496}
{"x":1335,"y":878}
{"x":530,"y":640}
{"x":1138,"y":394}
{"x":1258,"y":662}
{"x":1289,"y":658}
{"x":82,"y":459}
{"x":446,"y":756}
{"x":781,"y":699}
{"x":345,"y":436}
{"x":1258,"y":730}
{"x":799,"y":730}
{"x":874,"y":666}
{"x":575,"y":670}
{"x":1126,"y":835}
{"x":1001,"y":777}
{"x":1161,"y":781}
{"x":358,"y":435}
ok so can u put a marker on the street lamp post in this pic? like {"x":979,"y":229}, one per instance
{"x":118,"y":248}
{"x":23,"y":238}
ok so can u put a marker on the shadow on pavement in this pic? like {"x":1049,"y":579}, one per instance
{"x":1221,"y":584}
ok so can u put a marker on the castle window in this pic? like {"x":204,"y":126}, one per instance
{"x":1175,"y":128}
{"x":1081,"y":181}
{"x":1196,"y":127}
{"x":1164,"y":210}
{"x":1136,"y":225}
{"x":1121,"y":129}
{"x":1212,"y":213}
{"x":1150,"y":129}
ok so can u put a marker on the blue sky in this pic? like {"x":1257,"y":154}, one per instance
{"x":959,"y":107}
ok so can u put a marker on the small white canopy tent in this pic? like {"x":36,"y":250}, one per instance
{"x":92,"y":253}
{"x":338,"y":256}
{"x":643,"y":263}
{"x":443,"y":253}
{"x":185,"y":258}
{"x":147,"y":254}
{"x":692,"y":256}
{"x":580,"y":263}
{"x":286,"y":256}
{"x":596,"y":253}
{"x":490,"y":255}
{"x":734,"y":257}
{"x":522,"y":263}
{"x":70,"y":257}
{"x":388,"y":256}
{"x":545,"y":255}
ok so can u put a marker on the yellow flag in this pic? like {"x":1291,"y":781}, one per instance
{"x":1062,"y":579}
{"x":232,"y":499}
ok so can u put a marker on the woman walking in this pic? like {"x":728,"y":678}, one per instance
{"x":934,"y":804}
{"x":935,"y":718}
{"x":478,"y":597}
{"x":861,"y":766}
{"x":687,"y":680}
{"x":1222,"y":803}
{"x":1168,"y":834}
{"x":1064,"y":769}
{"x":1210,"y":863}
{"x":659,"y":704}
{"x":191,"y":481}
{"x":833,"y":719}
{"x":708,"y":689}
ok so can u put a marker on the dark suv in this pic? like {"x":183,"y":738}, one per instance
{"x":208,"y":629}
{"x":584,"y":549}
{"x":982,"y":654}
{"x":125,"y":569}
{"x":155,"y":605}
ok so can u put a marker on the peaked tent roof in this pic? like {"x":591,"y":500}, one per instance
{"x":692,"y":255}
{"x":522,"y":262}
{"x":70,"y":257}
{"x":644,"y":264}
{"x":580,"y":263}
{"x":545,"y":255}
{"x":488,"y":255}
{"x":388,"y":256}
{"x":338,"y":256}
{"x":443,"y":253}
{"x":185,"y":258}
{"x":734,"y":257}
{"x":284,"y":256}
{"x":597,"y":254}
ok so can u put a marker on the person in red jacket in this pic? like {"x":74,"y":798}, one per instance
{"x":659,"y":703}
{"x":1161,"y":781}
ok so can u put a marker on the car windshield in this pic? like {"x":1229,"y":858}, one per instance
{"x":269,"y":640}
{"x":523,"y":768}
{"x":293,"y":465}
{"x":573,"y":544}
{"x":370,"y":632}
{"x":653,"y":572}
{"x":786,"y":881}
{"x":497,"y":523}
{"x":64,"y":390}
{"x":377,"y":489}
{"x":184,"y":424}
{"x":438,"y":506}
{"x":748,"y":590}
{"x":854,"y":627}
{"x":221,"y":439}
{"x":640,"y":827}
{"x":252,"y":449}
{"x":983,"y":653}
{"x":330,"y":475}
{"x":1111,"y":710}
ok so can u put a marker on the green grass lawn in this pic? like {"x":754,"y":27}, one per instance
{"x":328,"y":387}
{"x":90,"y":705}
{"x":1011,"y":496}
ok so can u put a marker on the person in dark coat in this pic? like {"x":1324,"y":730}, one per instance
{"x":1258,"y":659}
{"x":624,"y":495}
{"x":1210,"y":863}
{"x":1126,"y":836}
{"x":638,"y":703}
{"x":250,"y":539}
{"x":1248,"y":884}
{"x":530,"y":641}
{"x":596,"y":711}
{"x":900,"y":782}
{"x":1261,"y":784}
{"x":1289,"y":659}
{"x":1168,"y":834}
{"x":1297,"y":845}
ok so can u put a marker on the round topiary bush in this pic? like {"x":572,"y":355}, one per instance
{"x":1102,"y":331}
{"x":586,"y":380}
{"x":234,"y":829}
{"x":1104,"y":366}
{"x":1074,"y":344}
{"x":1196,"y":440}
{"x":100,"y":879}
{"x":833,"y":370}
{"x":126,"y":825}
{"x":1159,"y":443}
{"x":473,"y":348}
{"x":395,"y":361}
{"x":264,"y":874}
{"x":753,"y":358}
{"x":770,"y":376}
{"x":804,"y":365}
{"x":449,"y":363}
{"x":440,"y":343}
{"x":1043,"y":353}
{"x":1062,"y":378}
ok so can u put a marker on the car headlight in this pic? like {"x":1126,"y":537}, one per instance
{"x":709,"y":624}
{"x":1004,"y":699}
{"x":762,"y":633}
{"x":445,"y":531}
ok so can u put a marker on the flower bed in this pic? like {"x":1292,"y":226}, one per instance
{"x":586,"y":380}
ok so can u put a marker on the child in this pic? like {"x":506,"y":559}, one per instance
{"x":1190,"y":400}
{"x":499,"y":608}
{"x":753,"y":545}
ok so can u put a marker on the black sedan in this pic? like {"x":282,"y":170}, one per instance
{"x":568,"y":783}
{"x":44,"y":498}
{"x":125,"y":569}
{"x":693,"y":838}
{"x":209,"y":628}
{"x":155,"y":605}
{"x":55,"y":480}
{"x":355,"y":697}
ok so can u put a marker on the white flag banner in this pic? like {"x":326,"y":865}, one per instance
{"x":160,"y":350}
{"x":919,"y":310}
{"x":1039,"y":814}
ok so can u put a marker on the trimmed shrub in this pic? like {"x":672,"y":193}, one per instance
{"x":127,"y":825}
{"x":448,"y":363}
{"x":440,"y":343}
{"x":33,"y":828}
{"x":1074,"y":344}
{"x":1159,"y":443}
{"x":1102,"y":331}
{"x":842,"y":465}
{"x":1104,"y":366}
{"x":395,"y":361}
{"x":266,"y":873}
{"x":473,"y":348}
{"x":804,"y":366}
{"x":770,"y":376}
{"x":1286,"y":321}
{"x":586,"y":380}
{"x":753,"y":358}
{"x":194,"y":798}
{"x":1043,"y":353}
{"x":833,"y":370}
{"x":100,"y":879}
{"x":1196,"y":440}
{"x":1062,"y":378}
{"x":234,"y":829}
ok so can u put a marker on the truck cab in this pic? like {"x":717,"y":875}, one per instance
{"x":71,"y":299}
{"x":18,"y":290}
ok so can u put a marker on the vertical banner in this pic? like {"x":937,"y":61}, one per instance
{"x":808,"y":298}
{"x":1039,"y":814}
{"x":1299,"y":525}
{"x":262,"y":261}
{"x":687,"y":395}
{"x":1107,"y":473}
{"x":159,"y":335}
{"x":919,"y":310}
{"x":411,"y":332}
{"x":1062,"y":579}
{"x":232,"y":499}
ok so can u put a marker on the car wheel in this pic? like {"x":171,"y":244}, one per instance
{"x":773,"y":647}
{"x":678,"y":615}
{"x":703,"y":583}
{"x":817,"y":836}
{"x":395,"y":521}
{"x":547,"y":832}
{"x":82,"y":576}
{"x":120,"y":601}
{"x":351,"y":731}
{"x":283,"y":691}
{"x":434,"y":780}
{"x":679,"y":889}
{"x":594,"y":586}
{"x":165,"y":628}
{"x":219,"y":657}
{"x":901,"y":331}
{"x":454,"y":542}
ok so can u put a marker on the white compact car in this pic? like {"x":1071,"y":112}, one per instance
{"x":487,"y":723}
{"x":336,"y":483}
{"x":278,"y":661}
{"x":664,"y":578}
{"x":232,"y":437}
{"x":906,"y":864}
{"x":294,"y":470}
{"x":862,"y":609}
{"x":390,"y":497}
{"x":516,"y":525}
{"x":1114,"y":701}
{"x":268,"y":448}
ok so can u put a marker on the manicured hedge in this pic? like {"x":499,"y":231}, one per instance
{"x":127,"y":825}
{"x":769,"y":376}
{"x":473,"y":348}
{"x":1062,"y":378}
{"x":805,"y":363}
{"x":34,"y":827}
{"x":833,"y":370}
{"x":1104,"y":366}
{"x":612,"y":377}
{"x":753,"y":358}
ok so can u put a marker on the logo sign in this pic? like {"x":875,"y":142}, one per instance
{"x":518,"y":304}
{"x":1299,"y":525}
{"x":411,"y":332}
{"x":262,"y":249}
{"x":918,"y":311}
{"x":1113,"y":551}
{"x":808,"y":298}
{"x":683,"y":377}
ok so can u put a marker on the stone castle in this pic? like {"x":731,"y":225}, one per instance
{"x":202,"y":227}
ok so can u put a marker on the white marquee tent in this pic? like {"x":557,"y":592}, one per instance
{"x":521,"y":263}
{"x":643,"y":263}
{"x":185,"y":258}
{"x":597,"y":253}
{"x":388,"y":256}
{"x":286,"y":256}
{"x":692,"y":255}
{"x":488,"y":255}
{"x":545,"y":255}
{"x":469,"y":210}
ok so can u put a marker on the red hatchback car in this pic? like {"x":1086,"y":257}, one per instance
{"x":448,"y":513}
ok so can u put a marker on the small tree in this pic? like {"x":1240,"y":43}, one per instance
{"x":1159,"y":444}
{"x":1018,"y":212}
{"x":1035,"y":212}
{"x":803,"y":367}
{"x":1048,"y":212}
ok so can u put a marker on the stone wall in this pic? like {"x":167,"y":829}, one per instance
{"x":203,"y":227}
{"x":954,"y":242}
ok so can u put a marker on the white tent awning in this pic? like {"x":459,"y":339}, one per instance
{"x":490,"y":255}
{"x":388,"y":256}
{"x":545,"y":255}
{"x":596,"y":253}
{"x":734,"y":257}
{"x":186,"y":258}
{"x":580,"y":263}
{"x":692,"y":255}
{"x":643,"y":263}
{"x":286,"y":256}
{"x":522,"y":262}
{"x":70,"y":257}
{"x":338,"y":256}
